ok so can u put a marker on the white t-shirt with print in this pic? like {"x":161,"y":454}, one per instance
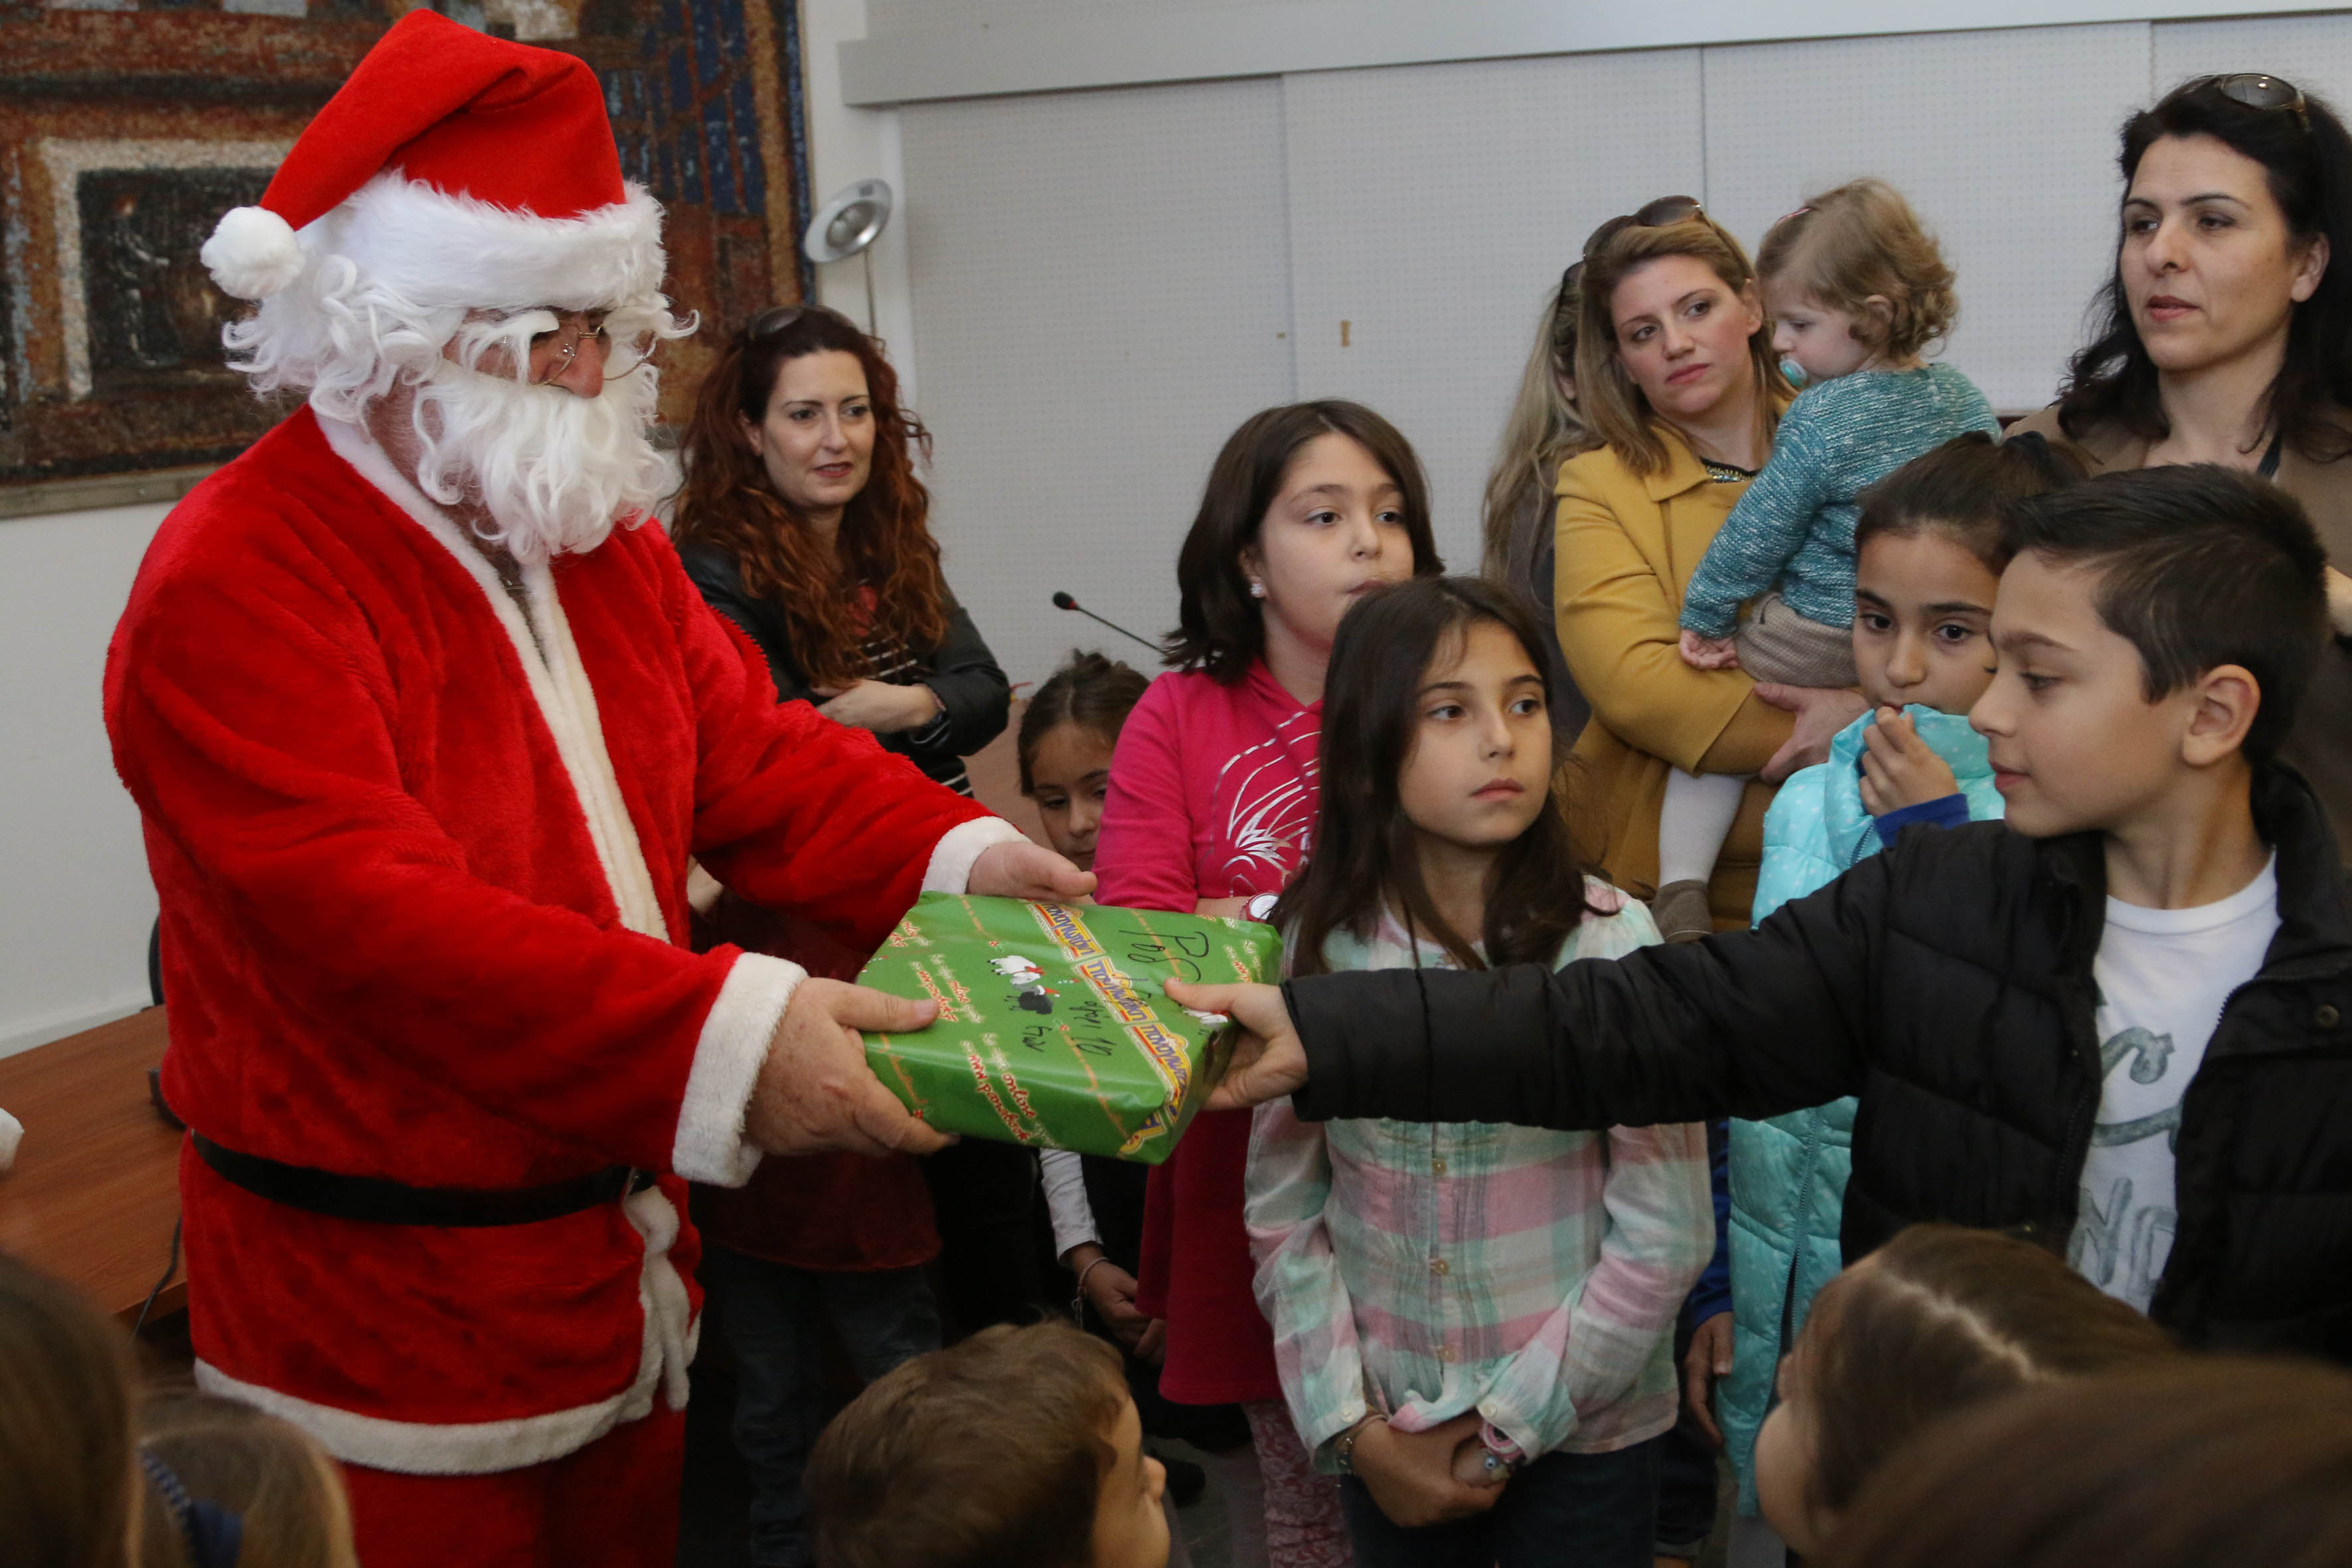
{"x":2163,"y":976}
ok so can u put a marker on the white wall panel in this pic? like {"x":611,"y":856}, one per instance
{"x":1101,"y":295}
{"x":2313,"y":52}
{"x":2004,"y":141}
{"x":75,"y":900}
{"x":1432,"y":206}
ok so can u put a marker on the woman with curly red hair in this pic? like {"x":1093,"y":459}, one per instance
{"x":803,"y":521}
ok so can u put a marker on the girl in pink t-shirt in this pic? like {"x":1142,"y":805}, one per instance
{"x":1211,"y":800}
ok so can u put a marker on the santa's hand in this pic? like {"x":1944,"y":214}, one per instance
{"x":1017,"y":869}
{"x":815,"y":1092}
{"x":1268,"y":1062}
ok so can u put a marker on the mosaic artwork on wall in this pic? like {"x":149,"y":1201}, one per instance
{"x":127,"y":127}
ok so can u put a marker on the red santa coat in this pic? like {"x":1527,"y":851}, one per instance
{"x":423,"y":873}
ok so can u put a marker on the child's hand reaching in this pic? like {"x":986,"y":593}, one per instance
{"x":1709,"y":652}
{"x":1898,"y":768}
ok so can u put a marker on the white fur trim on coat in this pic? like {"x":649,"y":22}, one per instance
{"x":961,"y":846}
{"x":551,"y":664}
{"x":439,"y":250}
{"x":736,"y":1033}
{"x":484,"y":1447}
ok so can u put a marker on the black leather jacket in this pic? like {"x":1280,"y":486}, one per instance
{"x":975,"y":699}
{"x":1948,"y":982}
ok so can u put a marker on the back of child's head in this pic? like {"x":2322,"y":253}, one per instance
{"x":64,"y":1426}
{"x":989,"y":1454}
{"x":1961,"y":489}
{"x":1939,"y":1320}
{"x":2197,"y":1462}
{"x":1859,"y":242}
{"x":207,"y":1460}
{"x":1089,"y":690}
{"x":1364,"y":848}
{"x":2199,"y":566}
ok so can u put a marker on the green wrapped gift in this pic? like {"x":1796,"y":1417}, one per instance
{"x":1053,"y":1030}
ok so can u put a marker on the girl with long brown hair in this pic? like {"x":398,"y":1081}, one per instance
{"x":1473,"y":1323}
{"x":804,"y":521}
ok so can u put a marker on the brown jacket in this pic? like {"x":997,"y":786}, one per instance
{"x":2320,"y":747}
{"x":1625,"y":549}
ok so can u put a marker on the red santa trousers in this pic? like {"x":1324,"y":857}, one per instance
{"x":612,"y":1504}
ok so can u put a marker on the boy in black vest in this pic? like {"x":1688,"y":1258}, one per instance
{"x":2122,"y":1020}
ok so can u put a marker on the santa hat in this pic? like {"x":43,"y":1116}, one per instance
{"x":455,"y":169}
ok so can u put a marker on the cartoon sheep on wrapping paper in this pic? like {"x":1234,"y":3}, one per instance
{"x":1029,"y":992}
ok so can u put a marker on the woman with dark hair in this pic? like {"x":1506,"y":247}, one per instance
{"x":803,"y":521}
{"x":2226,"y":335}
{"x":1211,"y":802}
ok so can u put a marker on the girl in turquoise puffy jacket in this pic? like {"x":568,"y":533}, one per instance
{"x":1928,"y":557}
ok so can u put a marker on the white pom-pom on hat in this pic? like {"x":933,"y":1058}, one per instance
{"x":252,"y":254}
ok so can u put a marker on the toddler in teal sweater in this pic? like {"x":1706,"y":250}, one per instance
{"x":1856,"y":289}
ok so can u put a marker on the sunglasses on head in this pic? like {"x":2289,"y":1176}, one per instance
{"x":1664,"y":213}
{"x":2257,"y":90}
{"x":769,"y":322}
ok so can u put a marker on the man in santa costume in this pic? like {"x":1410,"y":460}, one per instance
{"x":425,"y":723}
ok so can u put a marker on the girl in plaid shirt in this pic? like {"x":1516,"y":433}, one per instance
{"x":1473,"y":1322}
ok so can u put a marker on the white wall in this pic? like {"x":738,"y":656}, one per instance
{"x":76,"y":905}
{"x":846,"y":146}
{"x":1104,"y":282}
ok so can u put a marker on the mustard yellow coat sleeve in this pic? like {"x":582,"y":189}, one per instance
{"x":1625,"y":548}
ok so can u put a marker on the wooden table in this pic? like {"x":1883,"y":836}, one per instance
{"x":96,"y":1187}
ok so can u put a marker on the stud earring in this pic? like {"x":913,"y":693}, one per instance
{"x":1257,"y":589}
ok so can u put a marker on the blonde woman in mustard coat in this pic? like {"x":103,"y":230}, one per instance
{"x":1678,"y":378}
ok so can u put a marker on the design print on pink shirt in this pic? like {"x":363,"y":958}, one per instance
{"x":1268,"y":803}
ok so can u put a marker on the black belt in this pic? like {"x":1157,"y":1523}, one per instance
{"x":370,"y":1198}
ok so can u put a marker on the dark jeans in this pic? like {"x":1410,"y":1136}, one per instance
{"x":774,"y":1318}
{"x":987,"y":1198}
{"x":1687,"y":1471}
{"x":1565,"y":1511}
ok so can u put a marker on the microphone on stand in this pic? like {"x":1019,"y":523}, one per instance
{"x":1062,"y":601}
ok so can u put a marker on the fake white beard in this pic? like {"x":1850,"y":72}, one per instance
{"x":555,"y":471}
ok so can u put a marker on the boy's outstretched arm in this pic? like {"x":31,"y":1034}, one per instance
{"x":1747,"y":1024}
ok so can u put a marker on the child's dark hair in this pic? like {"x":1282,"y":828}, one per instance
{"x":1940,"y":1318}
{"x":1089,"y":690}
{"x":1221,"y":628}
{"x":1364,"y":852}
{"x":2199,"y":566}
{"x":1960,"y":490}
{"x":990,"y":1452}
{"x":2198,"y":1462}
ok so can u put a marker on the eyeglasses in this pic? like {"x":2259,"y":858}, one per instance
{"x":2257,"y":91}
{"x":573,"y":329}
{"x":1663,"y":213}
